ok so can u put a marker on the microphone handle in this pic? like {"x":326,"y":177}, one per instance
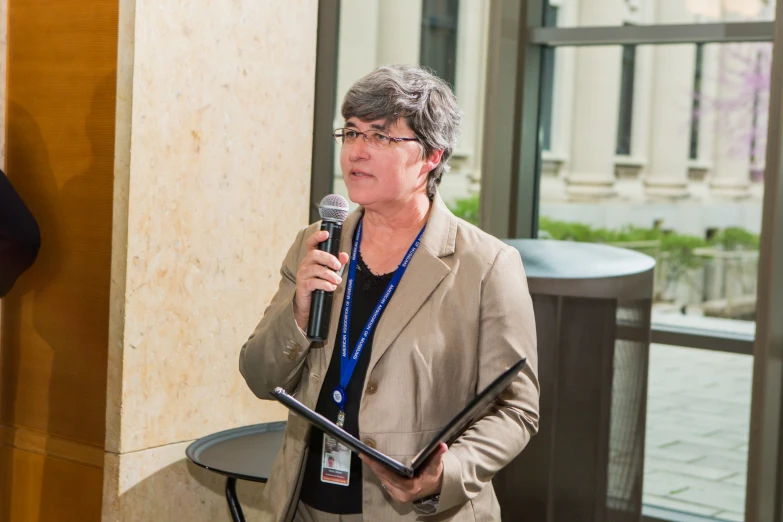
{"x":321,"y":303}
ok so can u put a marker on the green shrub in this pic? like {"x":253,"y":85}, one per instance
{"x":735,"y":238}
{"x":678,"y":248}
{"x":467,"y":209}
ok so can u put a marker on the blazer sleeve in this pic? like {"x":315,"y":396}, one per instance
{"x":19,"y":236}
{"x":507,"y":333}
{"x":274,"y":354}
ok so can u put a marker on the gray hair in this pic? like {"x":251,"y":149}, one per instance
{"x":425,"y":102}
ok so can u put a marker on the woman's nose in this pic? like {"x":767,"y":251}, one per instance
{"x":359,"y":149}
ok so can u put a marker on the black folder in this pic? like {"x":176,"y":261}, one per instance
{"x":448,"y":434}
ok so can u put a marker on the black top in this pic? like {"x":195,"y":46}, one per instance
{"x":19,"y":236}
{"x":332,"y":498}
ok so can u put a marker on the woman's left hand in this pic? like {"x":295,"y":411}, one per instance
{"x":403,"y":490}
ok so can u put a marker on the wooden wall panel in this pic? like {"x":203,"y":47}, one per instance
{"x":61,"y":89}
{"x":44,"y":488}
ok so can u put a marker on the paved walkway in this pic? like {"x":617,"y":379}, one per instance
{"x":697,"y":429}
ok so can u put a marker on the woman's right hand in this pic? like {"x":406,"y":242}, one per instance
{"x":317,"y":271}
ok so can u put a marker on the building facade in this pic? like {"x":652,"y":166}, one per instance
{"x":667,"y":136}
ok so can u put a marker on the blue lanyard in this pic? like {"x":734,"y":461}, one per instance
{"x":348,"y":364}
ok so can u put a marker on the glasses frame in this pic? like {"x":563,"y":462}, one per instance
{"x":339,"y":137}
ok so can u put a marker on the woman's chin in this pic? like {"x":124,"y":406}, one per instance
{"x":360,"y":197}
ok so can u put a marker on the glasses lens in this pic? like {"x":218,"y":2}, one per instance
{"x":375,"y":139}
{"x":379,"y":140}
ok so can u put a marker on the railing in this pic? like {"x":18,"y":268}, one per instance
{"x":722,"y":284}
{"x":730,"y":282}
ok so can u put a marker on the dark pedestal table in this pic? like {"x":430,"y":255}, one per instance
{"x":245,"y":453}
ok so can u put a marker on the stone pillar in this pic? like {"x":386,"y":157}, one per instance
{"x":470,"y":82}
{"x":357,"y":51}
{"x":670,"y":122}
{"x":214,"y":133}
{"x":733,"y":109}
{"x":358,"y":47}
{"x":596,"y":102}
{"x":399,"y":32}
{"x":381,"y":33}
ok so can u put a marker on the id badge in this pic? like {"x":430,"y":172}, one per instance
{"x":335,"y":462}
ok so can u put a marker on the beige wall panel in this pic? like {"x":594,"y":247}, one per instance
{"x":160,"y":484}
{"x":217,"y":186}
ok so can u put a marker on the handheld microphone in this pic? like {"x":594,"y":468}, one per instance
{"x":333,"y":210}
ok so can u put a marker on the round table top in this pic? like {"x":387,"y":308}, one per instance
{"x":576,"y":269}
{"x":245,"y":453}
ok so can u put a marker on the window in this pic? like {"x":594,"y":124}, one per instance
{"x":372,"y":34}
{"x":756,"y":102}
{"x":598,"y":13}
{"x":759,"y":80}
{"x":625,"y":119}
{"x":547,"y":82}
{"x":705,"y":284}
{"x":706,"y":245}
{"x":439,"y":38}
{"x":696,"y":108}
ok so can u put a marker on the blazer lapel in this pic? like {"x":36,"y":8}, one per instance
{"x":425,"y":272}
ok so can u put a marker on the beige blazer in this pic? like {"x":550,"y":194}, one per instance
{"x":461,"y":315}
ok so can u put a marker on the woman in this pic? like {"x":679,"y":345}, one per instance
{"x":459,"y":315}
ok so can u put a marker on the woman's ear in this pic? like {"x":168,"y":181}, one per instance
{"x":431,"y":161}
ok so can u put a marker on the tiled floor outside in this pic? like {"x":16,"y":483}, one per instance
{"x":698,"y":416}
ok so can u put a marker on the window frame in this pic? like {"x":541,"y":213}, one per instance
{"x":450,"y":75}
{"x":510,"y":189}
{"x":694,"y":152}
{"x":765,"y":483}
{"x":625,"y":112}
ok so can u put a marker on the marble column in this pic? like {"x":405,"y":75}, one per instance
{"x":399,"y":32}
{"x":596,"y":102}
{"x":670,"y":122}
{"x":214,"y":133}
{"x":379,"y":33}
{"x":470,"y":83}
{"x":733,"y":110}
{"x":357,"y":50}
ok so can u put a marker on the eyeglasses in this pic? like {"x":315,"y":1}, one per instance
{"x":374,"y":138}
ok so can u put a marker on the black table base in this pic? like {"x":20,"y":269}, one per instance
{"x":233,"y":502}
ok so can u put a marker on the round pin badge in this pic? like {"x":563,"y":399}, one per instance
{"x":338,"y":396}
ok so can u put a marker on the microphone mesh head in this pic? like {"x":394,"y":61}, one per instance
{"x":333,"y":208}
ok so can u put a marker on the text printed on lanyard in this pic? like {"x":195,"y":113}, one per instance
{"x":348,"y":364}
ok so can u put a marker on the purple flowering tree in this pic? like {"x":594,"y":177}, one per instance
{"x":741,"y":104}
